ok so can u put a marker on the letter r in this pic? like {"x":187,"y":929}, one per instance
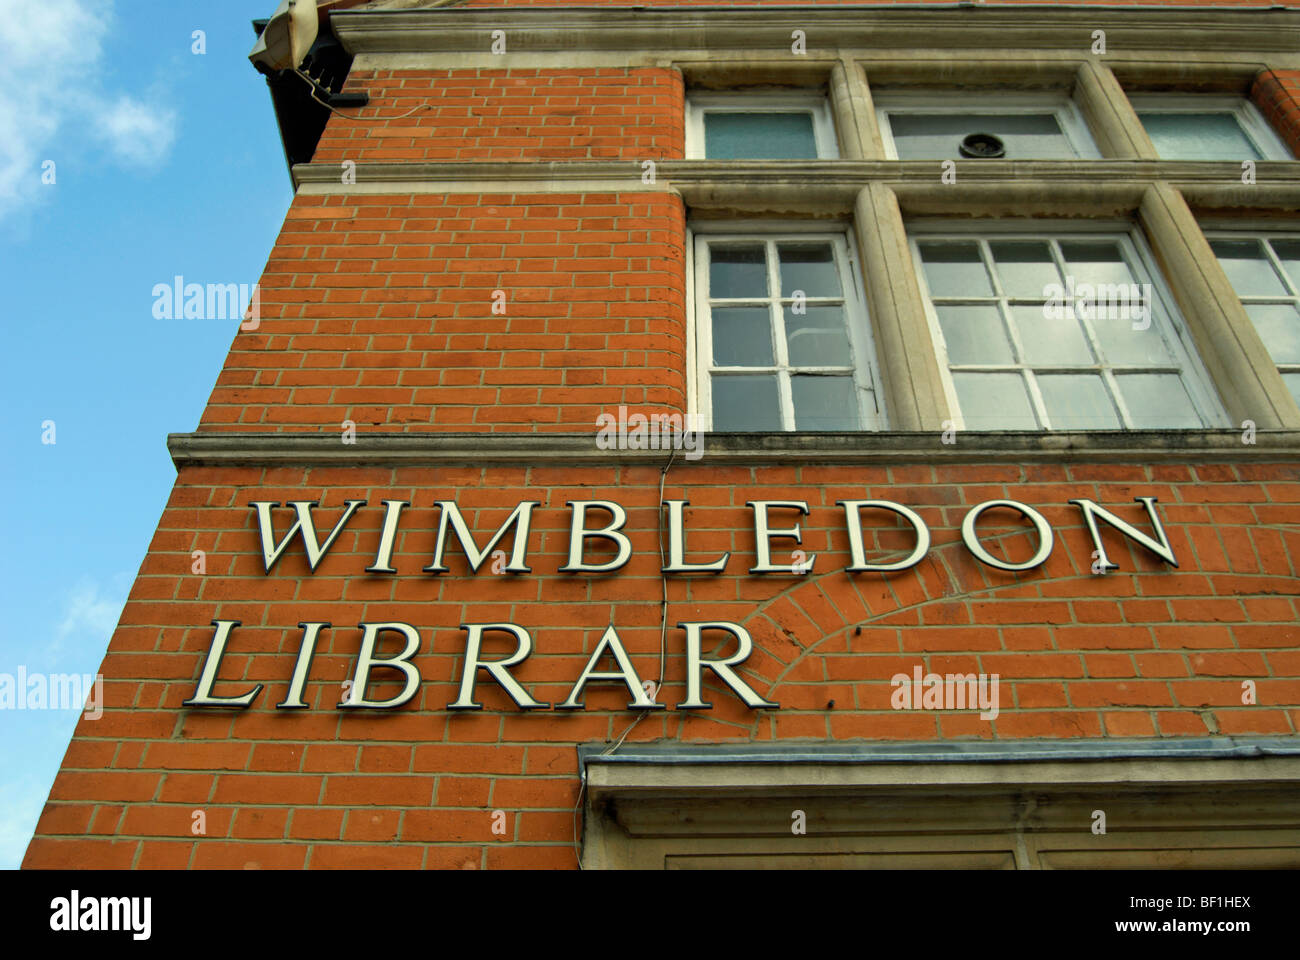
{"x":696,"y":664}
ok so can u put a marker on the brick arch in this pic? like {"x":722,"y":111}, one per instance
{"x":828,"y":605}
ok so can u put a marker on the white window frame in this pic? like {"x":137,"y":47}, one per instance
{"x":867,"y":387}
{"x":1067,"y":113}
{"x":815,"y":104}
{"x":1165,"y":315}
{"x":1292,"y":296}
{"x":1252,"y":123}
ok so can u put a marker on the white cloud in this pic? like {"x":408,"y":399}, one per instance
{"x":75,"y":642}
{"x":21,"y":801}
{"x":137,"y":133}
{"x":90,"y":616}
{"x":51,"y":54}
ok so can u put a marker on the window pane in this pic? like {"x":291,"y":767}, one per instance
{"x":1025,"y":269}
{"x":1247,"y":268}
{"x":1157,"y":401}
{"x":994,"y":401}
{"x":742,"y":337}
{"x":1279,"y":327}
{"x":810,"y":268}
{"x":1051,"y":338}
{"x":1292,"y":381}
{"x":1288,"y":251}
{"x":954,"y":269}
{"x":1122,"y":345}
{"x":937,"y":136}
{"x":766,"y":135}
{"x":737,"y":272}
{"x":824,"y":403}
{"x":817,"y":338}
{"x":1078,"y":402}
{"x":1198,"y":136}
{"x":974,"y":334}
{"x":744,"y":404}
{"x":1095,"y":262}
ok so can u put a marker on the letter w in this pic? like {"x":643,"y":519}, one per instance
{"x":272,"y":551}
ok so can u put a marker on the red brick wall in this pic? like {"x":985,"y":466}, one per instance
{"x":379,"y":310}
{"x":1144,"y":651}
{"x":1277,"y":94}
{"x":609,"y":114}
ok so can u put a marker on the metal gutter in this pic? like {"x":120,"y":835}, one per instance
{"x":299,"y":117}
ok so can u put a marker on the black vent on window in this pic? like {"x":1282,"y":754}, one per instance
{"x":983,"y":146}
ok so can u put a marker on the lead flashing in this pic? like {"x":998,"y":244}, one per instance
{"x":1006,"y":751}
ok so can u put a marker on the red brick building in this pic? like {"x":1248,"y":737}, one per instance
{"x":871,"y":267}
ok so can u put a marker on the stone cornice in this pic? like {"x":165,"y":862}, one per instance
{"x":1097,"y":187}
{"x":956,"y":26}
{"x":565,"y":449}
{"x":924,"y":172}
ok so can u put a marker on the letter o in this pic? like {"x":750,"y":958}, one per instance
{"x":1045,"y":539}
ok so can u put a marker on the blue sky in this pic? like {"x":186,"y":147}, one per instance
{"x":166,"y":162}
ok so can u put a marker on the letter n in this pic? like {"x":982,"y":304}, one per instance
{"x":1161,"y":547}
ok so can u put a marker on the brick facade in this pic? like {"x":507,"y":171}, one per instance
{"x":378,"y":309}
{"x":1277,"y":94}
{"x":383,"y":313}
{"x":623,"y":114}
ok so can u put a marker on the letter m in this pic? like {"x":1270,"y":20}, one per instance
{"x":116,"y":913}
{"x":1113,"y":300}
{"x":65,"y":691}
{"x":223,"y":301}
{"x":962,"y":691}
{"x":520,"y":519}
{"x":304,"y":526}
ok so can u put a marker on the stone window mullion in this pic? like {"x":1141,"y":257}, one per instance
{"x":910,"y":372}
{"x":855,"y":113}
{"x":1115,"y":124}
{"x":1243,"y":372}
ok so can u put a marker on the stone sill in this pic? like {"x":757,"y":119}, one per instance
{"x":725,"y":449}
{"x":846,"y":173}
